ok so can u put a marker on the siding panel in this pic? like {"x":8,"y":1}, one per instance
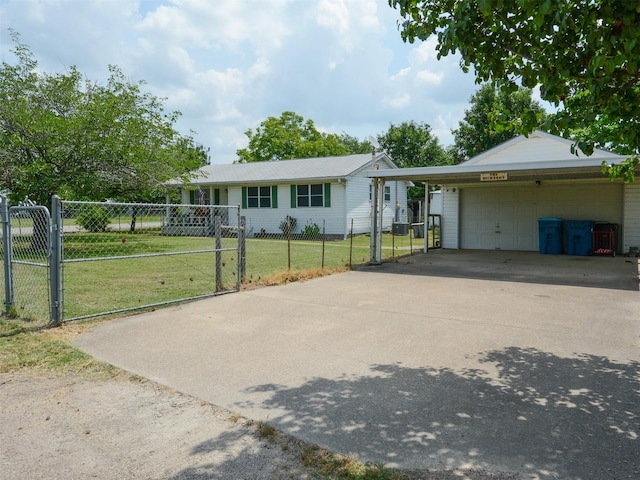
{"x":631,"y":235}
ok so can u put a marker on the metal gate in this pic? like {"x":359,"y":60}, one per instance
{"x":119,"y":257}
{"x":88,"y":259}
{"x":26,"y":247}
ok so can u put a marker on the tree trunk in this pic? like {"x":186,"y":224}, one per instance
{"x":134,"y":215}
{"x":40,"y":236}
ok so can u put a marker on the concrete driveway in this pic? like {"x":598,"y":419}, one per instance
{"x":505,"y":361}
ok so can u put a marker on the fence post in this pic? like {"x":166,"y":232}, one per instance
{"x":55,"y":263}
{"x":323,"y":240}
{"x":351,"y":245}
{"x":288,"y":243}
{"x":6,"y":251}
{"x":242,"y":248}
{"x":217,"y":224}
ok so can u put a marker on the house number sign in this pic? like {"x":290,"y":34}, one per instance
{"x":494,"y":177}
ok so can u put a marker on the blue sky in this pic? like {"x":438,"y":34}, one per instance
{"x":227,"y":65}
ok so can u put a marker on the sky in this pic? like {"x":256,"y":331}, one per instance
{"x":228,"y":65}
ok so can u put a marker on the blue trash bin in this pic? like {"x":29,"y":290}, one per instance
{"x":550,"y":235}
{"x":578,"y":237}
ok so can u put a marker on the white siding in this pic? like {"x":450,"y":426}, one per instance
{"x":631,"y":226}
{"x":268,"y":220}
{"x":450,"y":217}
{"x":358,"y":204}
{"x":435,"y":205}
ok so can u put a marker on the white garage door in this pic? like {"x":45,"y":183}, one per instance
{"x":506,"y":218}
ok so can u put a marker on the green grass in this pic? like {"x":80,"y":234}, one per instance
{"x":45,"y":352}
{"x":106,"y":285}
{"x":93,"y":286}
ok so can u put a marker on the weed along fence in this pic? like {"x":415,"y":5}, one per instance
{"x":294,"y":245}
{"x":86,"y":259}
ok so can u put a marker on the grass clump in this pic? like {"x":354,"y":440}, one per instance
{"x":340,"y":467}
{"x":325,"y":464}
{"x":45,"y":352}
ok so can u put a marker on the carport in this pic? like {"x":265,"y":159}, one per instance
{"x":493,"y":201}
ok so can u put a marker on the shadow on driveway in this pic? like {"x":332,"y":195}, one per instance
{"x":621,"y":273}
{"x":541,"y":415}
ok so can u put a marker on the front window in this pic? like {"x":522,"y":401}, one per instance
{"x":387,"y":193}
{"x":259,"y":197}
{"x":310,"y":195}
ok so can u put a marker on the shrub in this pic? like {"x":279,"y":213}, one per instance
{"x":311,"y":231}
{"x":93,"y":218}
{"x":288,"y":225}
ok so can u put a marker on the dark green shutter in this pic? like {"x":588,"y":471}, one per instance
{"x":327,"y":194}
{"x":216,"y":196}
{"x":294,"y":197}
{"x":244,"y":198}
{"x":274,"y":196}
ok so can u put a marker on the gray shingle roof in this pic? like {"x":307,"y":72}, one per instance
{"x":324,"y":168}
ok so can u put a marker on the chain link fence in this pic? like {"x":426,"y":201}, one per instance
{"x":304,"y":245}
{"x":125,"y":256}
{"x":94,"y":259}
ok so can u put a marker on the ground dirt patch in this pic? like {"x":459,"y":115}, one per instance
{"x":66,"y":428}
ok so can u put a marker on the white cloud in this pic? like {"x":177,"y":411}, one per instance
{"x":397,"y":102}
{"x":228,"y":65}
{"x":429,"y":78}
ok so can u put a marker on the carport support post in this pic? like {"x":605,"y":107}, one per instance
{"x":426,"y":217}
{"x":374,"y":220}
{"x":6,"y":251}
{"x":381,"y":220}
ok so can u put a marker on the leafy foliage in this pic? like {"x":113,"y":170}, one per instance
{"x":584,"y":55}
{"x":489,"y":120}
{"x":288,"y":225}
{"x":93,"y":218}
{"x":291,"y":136}
{"x":62,"y":134}
{"x":412,"y":144}
{"x":311,"y":231}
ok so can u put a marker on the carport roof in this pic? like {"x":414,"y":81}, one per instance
{"x":540,"y":156}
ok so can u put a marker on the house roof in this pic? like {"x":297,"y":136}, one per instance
{"x":536,"y":157}
{"x":307,"y":169}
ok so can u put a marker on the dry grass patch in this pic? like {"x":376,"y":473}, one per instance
{"x":290,"y":276}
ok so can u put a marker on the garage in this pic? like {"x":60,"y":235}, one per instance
{"x":494,"y":200}
{"x":506,"y":218}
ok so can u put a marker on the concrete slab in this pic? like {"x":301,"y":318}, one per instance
{"x":507,"y":362}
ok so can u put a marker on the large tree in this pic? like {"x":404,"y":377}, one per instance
{"x":62,"y":134}
{"x":412,"y":144}
{"x":584,"y":55}
{"x":483,"y":124}
{"x":291,"y":136}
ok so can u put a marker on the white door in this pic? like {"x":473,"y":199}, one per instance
{"x":506,"y":218}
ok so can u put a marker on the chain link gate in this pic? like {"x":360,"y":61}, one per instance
{"x":119,"y":257}
{"x":26,"y":247}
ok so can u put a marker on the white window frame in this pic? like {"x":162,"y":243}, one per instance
{"x":262,"y":199}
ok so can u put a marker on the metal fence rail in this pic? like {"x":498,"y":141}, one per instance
{"x":91,"y":259}
{"x":118,"y":257}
